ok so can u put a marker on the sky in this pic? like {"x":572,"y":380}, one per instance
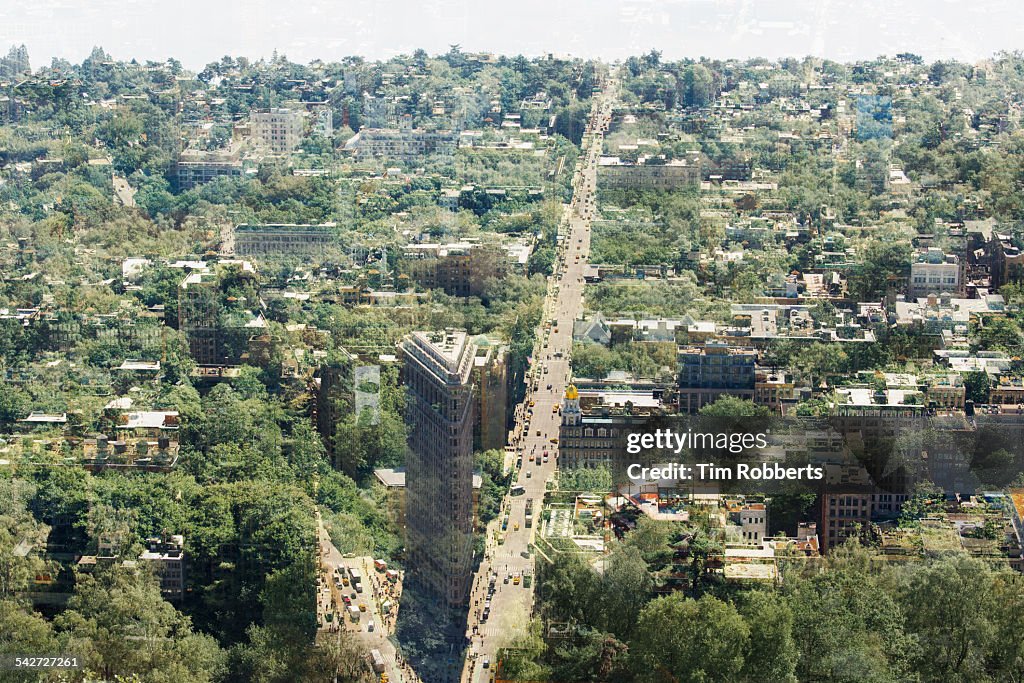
{"x":197,"y":32}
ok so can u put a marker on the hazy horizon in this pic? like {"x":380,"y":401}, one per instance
{"x":197,"y":33}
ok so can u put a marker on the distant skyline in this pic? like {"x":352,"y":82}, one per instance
{"x":198,"y":32}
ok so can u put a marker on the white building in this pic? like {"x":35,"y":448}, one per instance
{"x":934,"y":272}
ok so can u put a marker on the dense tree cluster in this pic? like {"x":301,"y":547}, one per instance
{"x":852,"y":619}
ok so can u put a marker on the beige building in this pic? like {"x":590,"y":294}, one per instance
{"x":402,"y":144}
{"x":280,"y":130}
{"x":648,"y":173}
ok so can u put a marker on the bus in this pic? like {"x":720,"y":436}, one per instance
{"x":377,"y":661}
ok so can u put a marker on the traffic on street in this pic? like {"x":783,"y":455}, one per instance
{"x":502,"y":593}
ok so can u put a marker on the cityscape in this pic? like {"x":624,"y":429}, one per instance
{"x":481,"y":368}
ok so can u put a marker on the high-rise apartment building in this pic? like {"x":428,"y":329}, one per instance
{"x":199,"y":309}
{"x":706,"y":373}
{"x":279,"y":129}
{"x":437,"y":372}
{"x":490,"y":379}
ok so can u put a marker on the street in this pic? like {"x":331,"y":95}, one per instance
{"x":377,"y":589}
{"x":508,"y":560}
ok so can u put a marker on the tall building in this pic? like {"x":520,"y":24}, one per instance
{"x":934,"y":272}
{"x":279,"y":129}
{"x":335,"y":400}
{"x":490,"y":379}
{"x":458,"y":268}
{"x":167,"y":558}
{"x":706,"y":373}
{"x":218,"y":327}
{"x":1006,"y":261}
{"x":199,"y":308}
{"x":437,"y":372}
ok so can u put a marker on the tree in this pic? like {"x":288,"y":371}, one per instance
{"x":976,"y":386}
{"x":847,"y":626}
{"x":999,"y":334}
{"x":625,"y":586}
{"x":884,"y":264}
{"x":948,"y":608}
{"x":771,"y":651}
{"x":689,"y":641}
{"x":731,"y":406}
{"x":121,"y":625}
{"x":820,"y":361}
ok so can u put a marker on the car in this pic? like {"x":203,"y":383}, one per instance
{"x":347,"y":600}
{"x":362,"y":607}
{"x":505,"y":580}
{"x":549,"y":387}
{"x":369,"y":627}
{"x":529,"y":474}
{"x":514,"y":581}
{"x":538,"y":432}
{"x":487,"y":663}
{"x":553,"y":440}
{"x":515,"y":527}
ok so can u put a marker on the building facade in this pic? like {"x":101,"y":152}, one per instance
{"x":613,"y":173}
{"x":196,"y":168}
{"x":460,"y":269}
{"x":280,"y":130}
{"x":167,"y":558}
{"x":283,"y":239}
{"x":934,"y":272}
{"x":437,"y":372}
{"x":596,"y":424}
{"x":490,"y":379}
{"x":402,"y":144}
{"x":706,"y":373}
